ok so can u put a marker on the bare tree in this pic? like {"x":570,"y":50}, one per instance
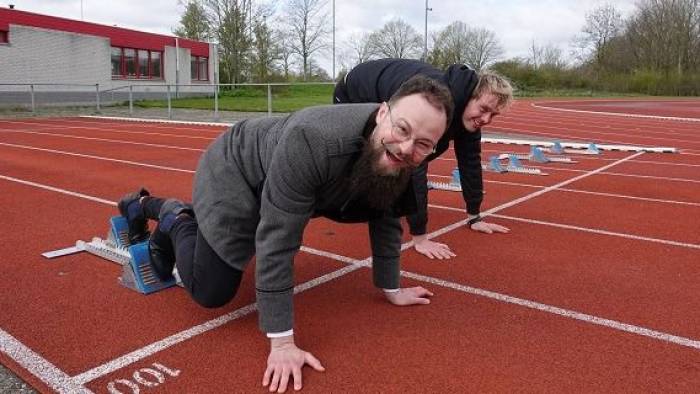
{"x":229,"y":20}
{"x":397,"y":39}
{"x":266,"y":52}
{"x":451,"y":45}
{"x":306,"y":20}
{"x":193,"y":22}
{"x":602,"y":25}
{"x":359,"y":49}
{"x":484,"y":49}
{"x":285,"y":52}
{"x":665,"y":34}
{"x":548,"y":56}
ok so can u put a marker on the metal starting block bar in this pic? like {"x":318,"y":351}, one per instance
{"x":575,"y":147}
{"x":514,"y":165}
{"x":445,"y":186}
{"x":137,"y":271}
{"x":537,"y":155}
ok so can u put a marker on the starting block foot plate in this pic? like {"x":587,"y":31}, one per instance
{"x":138,"y":274}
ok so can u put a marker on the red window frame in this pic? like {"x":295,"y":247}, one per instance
{"x":137,"y":68}
{"x":198,"y":60}
{"x":4,"y":37}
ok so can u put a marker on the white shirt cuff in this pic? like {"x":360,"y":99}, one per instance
{"x":280,"y":334}
{"x":391,"y":290}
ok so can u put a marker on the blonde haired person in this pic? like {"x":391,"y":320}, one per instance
{"x":478,"y":98}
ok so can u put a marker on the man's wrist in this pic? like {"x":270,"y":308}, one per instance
{"x":391,"y":290}
{"x":473,"y":219}
{"x":282,"y":334}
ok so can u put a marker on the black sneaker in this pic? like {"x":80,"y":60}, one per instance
{"x":130,"y":207}
{"x":160,"y":245}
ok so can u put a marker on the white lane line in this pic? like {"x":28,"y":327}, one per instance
{"x":38,"y":366}
{"x":105,"y":140}
{"x":532,"y":195}
{"x":603,"y":232}
{"x":147,"y":120}
{"x":579,"y":228}
{"x":567,"y":313}
{"x":602,"y":194}
{"x":102,"y":128}
{"x":57,"y":190}
{"x":184,"y":335}
{"x":624,"y":115}
{"x":133,"y":163}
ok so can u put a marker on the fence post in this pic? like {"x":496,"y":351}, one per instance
{"x":131,"y":100}
{"x":269,"y":100}
{"x":216,"y":102}
{"x":170,"y":110}
{"x":31,"y":93}
{"x":97,"y":90}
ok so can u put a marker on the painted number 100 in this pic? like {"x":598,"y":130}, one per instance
{"x":146,"y":377}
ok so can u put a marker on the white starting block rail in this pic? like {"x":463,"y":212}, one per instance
{"x":137,"y":271}
{"x":451,"y":186}
{"x":514,"y":165}
{"x":578,"y":145}
{"x":537,"y":155}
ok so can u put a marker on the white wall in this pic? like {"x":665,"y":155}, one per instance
{"x":38,"y":56}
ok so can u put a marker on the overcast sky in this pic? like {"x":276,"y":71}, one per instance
{"x":516,"y":22}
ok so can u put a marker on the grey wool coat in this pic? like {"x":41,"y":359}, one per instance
{"x":259,"y":183}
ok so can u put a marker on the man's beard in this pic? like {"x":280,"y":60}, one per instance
{"x":380,"y":191}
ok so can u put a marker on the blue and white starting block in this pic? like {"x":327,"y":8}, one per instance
{"x":514,"y":165}
{"x":455,"y":184}
{"x":137,"y":271}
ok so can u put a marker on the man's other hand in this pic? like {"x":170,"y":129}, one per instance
{"x":431,"y":249}
{"x":489,"y":228}
{"x":409,"y":296}
{"x":287,"y":360}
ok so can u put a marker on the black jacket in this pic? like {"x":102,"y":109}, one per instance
{"x":377,"y":80}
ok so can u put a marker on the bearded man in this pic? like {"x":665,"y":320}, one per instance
{"x":258,"y":185}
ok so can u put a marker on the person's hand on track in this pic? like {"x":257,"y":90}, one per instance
{"x":489,"y":228}
{"x":409,"y":296}
{"x":286,"y":361}
{"x":431,"y":249}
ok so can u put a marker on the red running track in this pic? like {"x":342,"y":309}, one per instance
{"x":594,"y":289}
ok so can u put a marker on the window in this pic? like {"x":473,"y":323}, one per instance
{"x":203,"y":69}
{"x":130,"y":62}
{"x":143,"y":64}
{"x":155,"y":65}
{"x":116,"y":62}
{"x":4,"y":37}
{"x":199,"y":69}
{"x":136,"y":63}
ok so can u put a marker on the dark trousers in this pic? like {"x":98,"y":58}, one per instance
{"x":206,"y":276}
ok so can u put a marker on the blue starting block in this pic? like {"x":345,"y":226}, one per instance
{"x":455,"y":177}
{"x":514,"y":162}
{"x":557,"y":149}
{"x":593,"y":149}
{"x":537,"y":155}
{"x":495,"y":164}
{"x":137,"y":272}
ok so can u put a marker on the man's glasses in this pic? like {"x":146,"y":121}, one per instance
{"x":402,"y":133}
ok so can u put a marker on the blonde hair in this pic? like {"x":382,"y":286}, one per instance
{"x":496,"y":84}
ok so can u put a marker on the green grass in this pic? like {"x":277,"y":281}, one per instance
{"x":254,"y":99}
{"x":572,"y":93}
{"x":291,"y":98}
